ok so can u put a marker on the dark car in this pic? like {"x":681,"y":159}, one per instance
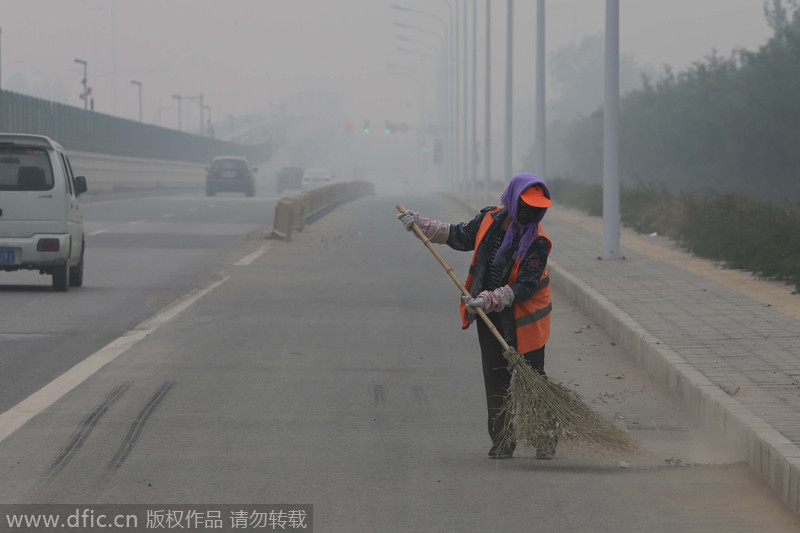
{"x":289,"y":178}
{"x":230,"y":174}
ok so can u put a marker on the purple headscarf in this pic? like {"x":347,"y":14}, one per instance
{"x":510,"y":199}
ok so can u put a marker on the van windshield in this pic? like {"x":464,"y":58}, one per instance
{"x":25,"y":169}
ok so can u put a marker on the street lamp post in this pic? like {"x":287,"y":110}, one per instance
{"x":450,"y":77}
{"x":488,"y":120}
{"x":210,"y":125}
{"x":507,"y":164}
{"x":611,"y":248}
{"x":473,"y":163}
{"x":84,"y":96}
{"x":541,"y":154}
{"x":200,"y":99}
{"x":233,"y":126}
{"x":179,"y":98}
{"x":139,"y":85}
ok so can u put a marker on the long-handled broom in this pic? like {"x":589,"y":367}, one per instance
{"x":539,"y":409}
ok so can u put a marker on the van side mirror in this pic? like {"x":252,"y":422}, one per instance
{"x":80,"y":185}
{"x":255,"y":169}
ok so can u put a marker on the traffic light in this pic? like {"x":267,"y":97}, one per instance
{"x":366,"y":126}
{"x":349,"y":126}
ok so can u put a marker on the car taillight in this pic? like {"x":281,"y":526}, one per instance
{"x":47,"y":245}
{"x":247,"y":175}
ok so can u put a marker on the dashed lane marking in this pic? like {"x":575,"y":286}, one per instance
{"x":249,"y":258}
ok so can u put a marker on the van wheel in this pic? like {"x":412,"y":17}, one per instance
{"x":61,"y":278}
{"x":76,"y":272}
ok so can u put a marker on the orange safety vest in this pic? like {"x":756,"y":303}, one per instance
{"x":532,"y":316}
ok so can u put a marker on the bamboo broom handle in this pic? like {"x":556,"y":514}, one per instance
{"x":455,"y":278}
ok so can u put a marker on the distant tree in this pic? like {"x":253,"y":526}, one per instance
{"x":578,"y":76}
{"x":727,"y":123}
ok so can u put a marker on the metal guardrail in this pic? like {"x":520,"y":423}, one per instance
{"x":294,"y":212}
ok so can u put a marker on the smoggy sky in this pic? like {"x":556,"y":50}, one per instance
{"x":245,"y":55}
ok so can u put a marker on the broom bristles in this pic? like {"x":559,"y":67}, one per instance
{"x":541,"y":412}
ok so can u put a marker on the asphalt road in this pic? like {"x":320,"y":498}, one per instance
{"x":332,"y":371}
{"x":141,"y":254}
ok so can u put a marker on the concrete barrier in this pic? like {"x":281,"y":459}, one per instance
{"x":294,"y":212}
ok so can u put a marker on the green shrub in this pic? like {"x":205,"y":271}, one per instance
{"x":736,"y":231}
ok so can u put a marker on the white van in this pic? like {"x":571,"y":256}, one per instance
{"x":41,"y":226}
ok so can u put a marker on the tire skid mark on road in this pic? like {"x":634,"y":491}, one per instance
{"x":135,"y":429}
{"x":419,"y":394}
{"x":378,"y":394}
{"x":85,"y":428}
{"x":20,"y":414}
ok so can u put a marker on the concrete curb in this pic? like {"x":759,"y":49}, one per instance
{"x":770,"y":455}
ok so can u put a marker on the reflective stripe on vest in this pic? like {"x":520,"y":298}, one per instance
{"x":532,"y":317}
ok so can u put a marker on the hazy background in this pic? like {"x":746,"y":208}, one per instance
{"x":245,"y":55}
{"x":341,"y":58}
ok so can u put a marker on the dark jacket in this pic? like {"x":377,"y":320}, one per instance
{"x":463,"y":236}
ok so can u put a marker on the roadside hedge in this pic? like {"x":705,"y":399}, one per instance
{"x":733,"y":230}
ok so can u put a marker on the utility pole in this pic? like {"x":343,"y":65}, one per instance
{"x":85,"y":95}
{"x":233,"y":127}
{"x":199,"y":99}
{"x":509,"y":90}
{"x":487,"y":156}
{"x":210,"y":125}
{"x":139,"y":84}
{"x":179,"y":97}
{"x":1,"y":58}
{"x":541,"y":123}
{"x":611,"y":248}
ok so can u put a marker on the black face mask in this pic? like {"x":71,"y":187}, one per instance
{"x":527,"y":214}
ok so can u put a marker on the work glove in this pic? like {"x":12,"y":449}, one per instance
{"x":435,"y":230}
{"x":490,"y":301}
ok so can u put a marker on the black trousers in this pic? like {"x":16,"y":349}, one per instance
{"x":496,"y":376}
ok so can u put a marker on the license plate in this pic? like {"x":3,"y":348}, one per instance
{"x":228,"y":174}
{"x":6,"y":257}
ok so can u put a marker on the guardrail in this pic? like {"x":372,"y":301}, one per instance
{"x":294,"y":212}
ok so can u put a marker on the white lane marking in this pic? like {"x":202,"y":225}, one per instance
{"x":192,"y":209}
{"x":249,"y":258}
{"x":17,"y":416}
{"x":168,"y":215}
{"x":132,"y":222}
{"x":98,"y":232}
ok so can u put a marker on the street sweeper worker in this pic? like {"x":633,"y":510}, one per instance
{"x":508,"y":280}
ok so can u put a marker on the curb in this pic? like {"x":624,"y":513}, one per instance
{"x":774,"y":458}
{"x":770,"y":455}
